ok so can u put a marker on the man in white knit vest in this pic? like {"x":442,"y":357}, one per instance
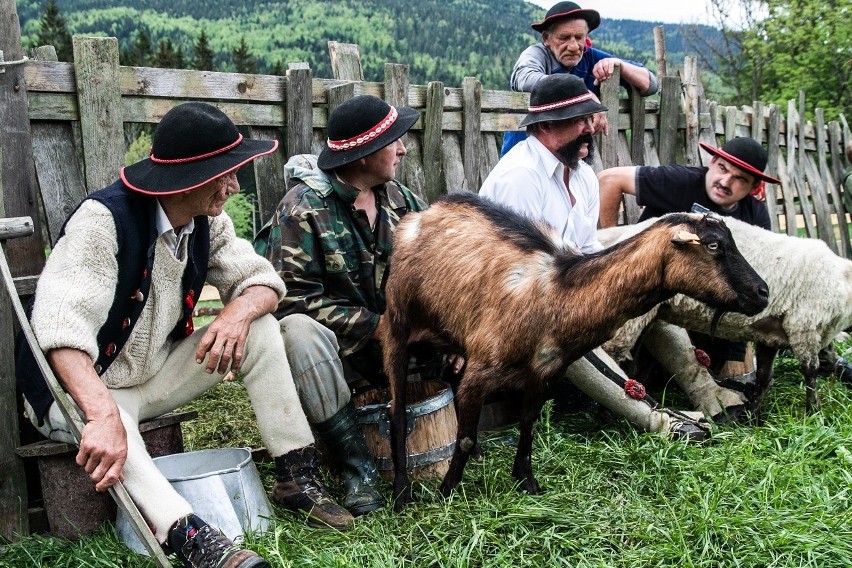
{"x":113,"y":314}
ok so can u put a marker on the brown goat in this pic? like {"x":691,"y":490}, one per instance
{"x":473,"y":275}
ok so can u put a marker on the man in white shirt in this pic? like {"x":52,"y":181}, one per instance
{"x":544,"y":178}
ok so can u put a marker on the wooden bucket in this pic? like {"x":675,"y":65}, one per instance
{"x":432,"y":428}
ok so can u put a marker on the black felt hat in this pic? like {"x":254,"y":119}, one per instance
{"x":360,"y":126}
{"x":193,"y":144}
{"x":564,"y":10}
{"x":560,"y":97}
{"x":745,"y":153}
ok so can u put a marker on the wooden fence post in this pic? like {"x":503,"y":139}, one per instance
{"x":609,"y":98}
{"x":772,"y":150}
{"x":300,"y":110}
{"x":18,"y":187}
{"x":471,"y":131}
{"x":829,"y":182}
{"x":670,"y":109}
{"x":99,"y":101}
{"x":660,"y":51}
{"x":433,"y":155}
{"x":396,"y":93}
{"x":690,"y":109}
{"x":345,"y":61}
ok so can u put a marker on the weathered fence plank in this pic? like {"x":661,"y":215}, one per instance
{"x":691,"y":111}
{"x":837,"y":211}
{"x":345,"y":61}
{"x":609,"y":98}
{"x":268,"y":175}
{"x":772,"y":168}
{"x":299,"y":110}
{"x":471,"y":115}
{"x":670,"y":91}
{"x":637,"y":128}
{"x":433,"y":155}
{"x":454,"y":179}
{"x":99,"y":102}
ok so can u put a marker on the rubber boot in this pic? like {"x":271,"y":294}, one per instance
{"x":343,"y":437}
{"x":299,"y":489}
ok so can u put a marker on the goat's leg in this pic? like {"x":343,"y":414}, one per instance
{"x":530,"y":413}
{"x":765,"y":357}
{"x":395,"y":353}
{"x":469,"y":399}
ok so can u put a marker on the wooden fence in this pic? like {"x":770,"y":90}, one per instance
{"x":62,"y":136}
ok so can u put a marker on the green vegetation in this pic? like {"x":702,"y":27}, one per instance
{"x":441,"y":40}
{"x":776,"y":495}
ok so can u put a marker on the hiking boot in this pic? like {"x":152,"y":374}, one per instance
{"x":299,"y":489}
{"x":199,"y":545}
{"x":685,"y":425}
{"x":343,"y":437}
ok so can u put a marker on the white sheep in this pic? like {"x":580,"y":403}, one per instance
{"x":810,"y":302}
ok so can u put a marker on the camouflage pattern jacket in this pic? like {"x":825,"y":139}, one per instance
{"x":334,"y":266}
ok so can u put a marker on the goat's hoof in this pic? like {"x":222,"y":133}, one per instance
{"x":531,"y":486}
{"x":736,"y":414}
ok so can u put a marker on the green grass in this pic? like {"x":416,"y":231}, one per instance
{"x":769,"y":496}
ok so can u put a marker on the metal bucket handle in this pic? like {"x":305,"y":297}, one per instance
{"x":379,"y":413}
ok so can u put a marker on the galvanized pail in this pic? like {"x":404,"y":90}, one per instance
{"x":223,"y":487}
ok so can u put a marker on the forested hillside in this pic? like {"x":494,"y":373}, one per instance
{"x":442,"y":40}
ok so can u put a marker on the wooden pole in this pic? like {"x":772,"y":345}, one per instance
{"x":99,"y":101}
{"x":18,"y":187}
{"x":471,"y":131}
{"x":670,"y":110}
{"x":299,"y":109}
{"x":609,"y":98}
{"x":660,"y":51}
{"x":433,"y":159}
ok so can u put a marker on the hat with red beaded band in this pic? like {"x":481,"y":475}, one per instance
{"x":746,"y":154}
{"x":560,"y":97}
{"x":360,"y":126}
{"x":562,"y":10}
{"x":194,"y":144}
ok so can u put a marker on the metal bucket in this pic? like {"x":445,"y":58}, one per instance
{"x":432,"y":428}
{"x":223,"y":487}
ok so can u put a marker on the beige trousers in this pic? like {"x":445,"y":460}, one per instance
{"x":266,"y":375}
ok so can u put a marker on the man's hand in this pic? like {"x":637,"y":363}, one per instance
{"x":600,"y":124}
{"x":103,"y":451}
{"x":604,"y":68}
{"x":224,"y":341}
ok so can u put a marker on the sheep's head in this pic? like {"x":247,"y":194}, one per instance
{"x":707,"y":266}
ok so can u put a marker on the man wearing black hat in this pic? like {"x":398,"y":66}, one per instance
{"x":565,"y":48}
{"x":113,"y":313}
{"x":544,"y":178}
{"x":731,"y":185}
{"x":330,"y":240}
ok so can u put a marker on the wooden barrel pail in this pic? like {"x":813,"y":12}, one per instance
{"x":432,"y":428}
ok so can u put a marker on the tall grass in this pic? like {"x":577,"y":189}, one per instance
{"x":773,"y":495}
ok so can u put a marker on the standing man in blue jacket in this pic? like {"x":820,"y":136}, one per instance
{"x":565,"y":48}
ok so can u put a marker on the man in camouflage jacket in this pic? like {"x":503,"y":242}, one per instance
{"x":330,"y":240}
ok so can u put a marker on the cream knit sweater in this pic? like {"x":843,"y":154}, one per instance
{"x":77,"y":285}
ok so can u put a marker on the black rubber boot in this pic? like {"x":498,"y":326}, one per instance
{"x":299,"y":489}
{"x":343,"y":437}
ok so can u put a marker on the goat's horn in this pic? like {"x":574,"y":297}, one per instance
{"x":685,"y":237}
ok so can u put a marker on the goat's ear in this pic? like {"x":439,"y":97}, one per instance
{"x":686,"y":238}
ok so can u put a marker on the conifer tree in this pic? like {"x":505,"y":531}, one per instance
{"x":165,"y":56}
{"x":244,"y":62}
{"x":180,"y":60}
{"x":53,"y":30}
{"x":141,"y":48}
{"x":203,"y":60}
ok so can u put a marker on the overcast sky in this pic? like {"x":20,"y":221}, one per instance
{"x":666,"y":11}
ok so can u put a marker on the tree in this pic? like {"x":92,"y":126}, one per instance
{"x":781,"y":47}
{"x":165,"y":56}
{"x":244,"y":62}
{"x":203,"y":60}
{"x":53,"y":30}
{"x":141,"y":48}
